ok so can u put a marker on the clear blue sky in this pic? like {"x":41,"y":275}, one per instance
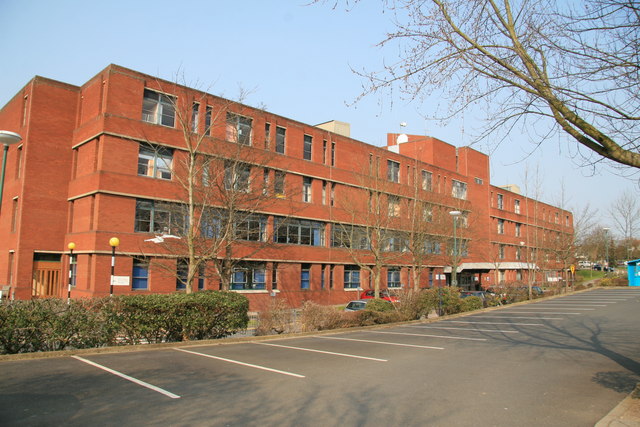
{"x":297,"y":61}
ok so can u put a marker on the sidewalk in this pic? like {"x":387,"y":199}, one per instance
{"x":626,"y":414}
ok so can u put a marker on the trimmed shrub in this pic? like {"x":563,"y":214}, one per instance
{"x":52,"y":324}
{"x":378,"y":304}
{"x":470,"y":303}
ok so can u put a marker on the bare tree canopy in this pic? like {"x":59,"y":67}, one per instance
{"x":547,"y":65}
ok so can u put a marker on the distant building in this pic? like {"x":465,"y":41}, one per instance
{"x":105,"y":160}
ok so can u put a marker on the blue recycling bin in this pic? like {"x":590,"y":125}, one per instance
{"x":633,"y":272}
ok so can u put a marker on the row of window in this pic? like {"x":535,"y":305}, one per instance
{"x":253,"y":276}
{"x":162,"y":217}
{"x":159,"y":108}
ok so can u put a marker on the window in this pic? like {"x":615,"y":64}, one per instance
{"x":395,"y":242}
{"x":251,"y":227}
{"x":427,"y":178}
{"x":324,"y":151}
{"x":459,"y":247}
{"x":236,"y":176}
{"x":308,"y":143}
{"x":393,"y":278}
{"x":518,"y":229}
{"x":274,"y":276}
{"x":324,"y":192}
{"x":306,"y":189}
{"x":305,"y":276}
{"x":351,"y":277}
{"x":140,"y":274}
{"x":516,"y":206}
{"x":332,"y":196}
{"x":432,"y":247}
{"x":478,"y":181}
{"x":249,"y":276}
{"x":394,"y":205}
{"x":155,"y":162}
{"x":267,"y":135}
{"x":393,"y":171}
{"x":73,"y":270}
{"x":501,"y":252}
{"x":333,"y":153}
{"x":458,"y":189}
{"x":500,"y":201}
{"x":518,"y":253}
{"x":19,"y":163}
{"x":344,"y":236}
{"x":182,"y":274}
{"x":239,"y":129}
{"x":298,"y":232}
{"x":14,"y":214}
{"x":427,"y":213}
{"x":195,"y":114}
{"x":500,"y":226}
{"x":158,"y":217}
{"x":265,"y":181}
{"x":280,"y":139}
{"x":278,"y":184}
{"x":158,"y":108}
{"x":323,"y":276}
{"x":207,"y":120}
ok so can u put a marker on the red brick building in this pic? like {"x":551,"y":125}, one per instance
{"x":324,"y":214}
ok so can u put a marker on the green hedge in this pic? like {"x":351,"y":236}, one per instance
{"x":52,"y":324}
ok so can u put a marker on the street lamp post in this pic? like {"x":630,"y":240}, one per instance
{"x":71,"y":247}
{"x":113,"y":242}
{"x":6,"y":138}
{"x":454,"y":271}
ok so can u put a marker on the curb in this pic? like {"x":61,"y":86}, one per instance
{"x":626,"y":414}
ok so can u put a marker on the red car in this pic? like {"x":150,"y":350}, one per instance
{"x":384,"y":294}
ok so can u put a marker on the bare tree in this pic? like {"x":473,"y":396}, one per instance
{"x":625,"y":214}
{"x":570,"y":68}
{"x":223,"y":188}
{"x":373,"y":236}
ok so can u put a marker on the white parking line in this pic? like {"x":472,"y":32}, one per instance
{"x":517,"y":317}
{"x":381,"y":342}
{"x":535,"y":312}
{"x":467,"y":329}
{"x":264,"y":368}
{"x":549,"y":308}
{"x":322,"y":351}
{"x":430,"y":336}
{"x":573,"y":304}
{"x":128,"y":378}
{"x":494,"y":323}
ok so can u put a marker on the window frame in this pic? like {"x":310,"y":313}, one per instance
{"x":236,"y":125}
{"x":307,"y":147}
{"x":393,"y":171}
{"x":151,"y":158}
{"x":160,"y":110}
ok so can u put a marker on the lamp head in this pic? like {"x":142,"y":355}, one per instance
{"x":71,"y":245}
{"x":114,"y":242}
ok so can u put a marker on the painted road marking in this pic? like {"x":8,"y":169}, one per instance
{"x":544,"y":312}
{"x":518,"y":317}
{"x":467,"y":329}
{"x":324,"y":352}
{"x":264,"y":368}
{"x":128,"y":378}
{"x":429,"y":336}
{"x":494,"y":323}
{"x":382,"y":342}
{"x":550,"y":308}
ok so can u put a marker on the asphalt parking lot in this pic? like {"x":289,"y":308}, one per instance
{"x":564,"y":361}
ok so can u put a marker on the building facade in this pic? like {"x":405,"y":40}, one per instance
{"x":204,"y":193}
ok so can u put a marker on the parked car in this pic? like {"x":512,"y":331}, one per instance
{"x":597,"y":267}
{"x":384,"y":294}
{"x":356,"y":305}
